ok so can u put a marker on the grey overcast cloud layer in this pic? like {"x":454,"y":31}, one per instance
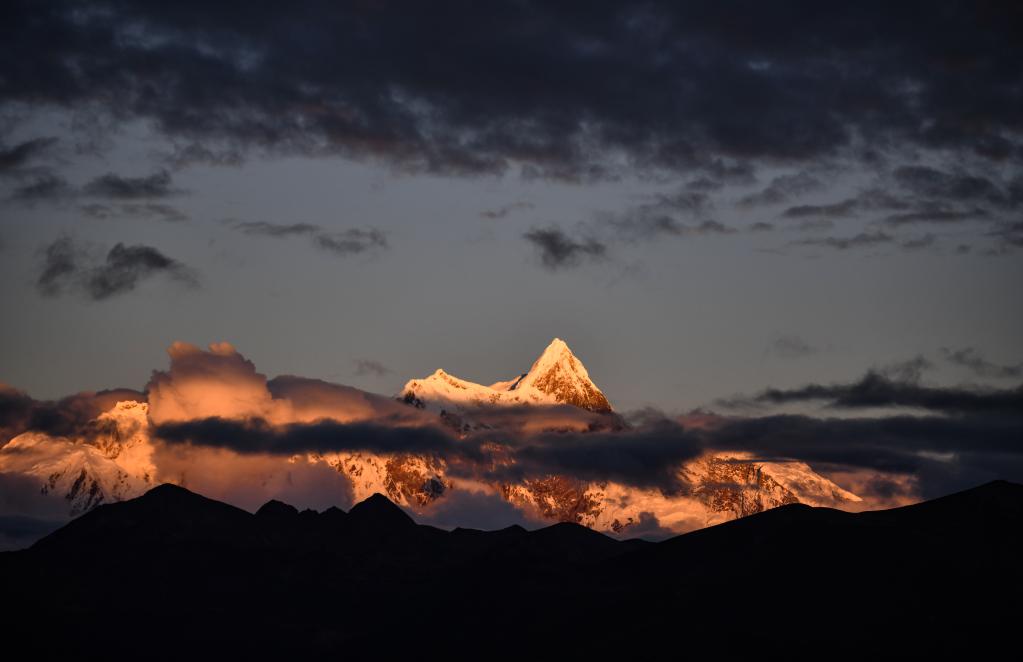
{"x":671,"y":187}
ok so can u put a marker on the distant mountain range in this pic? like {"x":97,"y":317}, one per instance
{"x":173,"y":573}
{"x":114,"y":461}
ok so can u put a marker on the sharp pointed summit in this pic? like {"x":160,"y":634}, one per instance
{"x":559,"y":374}
{"x":556,"y":377}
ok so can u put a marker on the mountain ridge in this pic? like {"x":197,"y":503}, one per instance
{"x":935,"y":577}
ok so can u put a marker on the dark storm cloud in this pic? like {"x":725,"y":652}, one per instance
{"x":116,"y":187}
{"x":155,"y":210}
{"x":478,"y":88}
{"x":760,"y":226}
{"x":877,"y":390}
{"x":12,"y":159}
{"x":646,"y":457}
{"x":861,"y":240}
{"x":67,"y":267}
{"x":557,"y":250}
{"x":258,"y":436}
{"x":371,"y":368}
{"x":971,"y":359}
{"x":938,"y":449}
{"x":943,"y":451}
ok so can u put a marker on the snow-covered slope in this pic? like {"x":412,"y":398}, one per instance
{"x":557,"y":377}
{"x":717,"y":488}
{"x":111,"y":462}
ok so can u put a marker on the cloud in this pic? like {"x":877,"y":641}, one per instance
{"x":249,"y":480}
{"x":908,"y":371}
{"x":782,"y":189}
{"x":352,"y":241}
{"x":126,"y":266}
{"x":791,"y":347}
{"x":932,"y":213}
{"x":27,"y":513}
{"x":557,"y":250}
{"x":61,"y":261}
{"x":1009,"y":236}
{"x":760,"y":226}
{"x":219,"y":382}
{"x":12,"y":159}
{"x":861,"y":240}
{"x":694,"y":75}
{"x":925,"y":241}
{"x":878,"y":390}
{"x":970,"y":358}
{"x":188,"y":155}
{"x":648,"y":527}
{"x":44,"y":186}
{"x":110,"y":185}
{"x":66,"y":266}
{"x":473,"y":506}
{"x":944,"y":453}
{"x":505,"y":210}
{"x":371,"y":368}
{"x":276,"y":230}
{"x":158,"y":211}
{"x":344,"y":242}
{"x":69,"y":416}
{"x":840,"y":209}
{"x":257,"y":436}
{"x":200,"y":384}
{"x":932,"y":183}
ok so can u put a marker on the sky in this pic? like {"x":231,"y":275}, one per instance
{"x":701,"y":200}
{"x":707,"y":201}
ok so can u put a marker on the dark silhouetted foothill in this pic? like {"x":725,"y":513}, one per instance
{"x":275,"y":509}
{"x":937,"y":577}
{"x":379,"y":512}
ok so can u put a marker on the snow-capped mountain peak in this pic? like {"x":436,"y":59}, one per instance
{"x":556,"y":377}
